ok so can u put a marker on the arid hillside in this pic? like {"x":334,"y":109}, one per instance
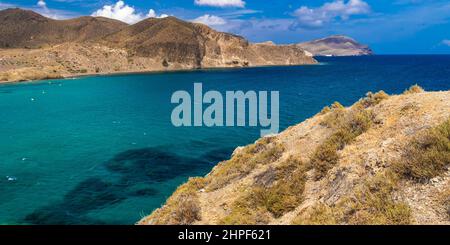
{"x":27,"y":29}
{"x":336,"y":45}
{"x":384,"y":160}
{"x":36,"y":47}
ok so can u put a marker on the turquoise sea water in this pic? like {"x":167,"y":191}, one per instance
{"x":102,"y":150}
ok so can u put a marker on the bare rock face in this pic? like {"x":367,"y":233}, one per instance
{"x":89,"y":45}
{"x":337,"y":45}
{"x":196,"y":45}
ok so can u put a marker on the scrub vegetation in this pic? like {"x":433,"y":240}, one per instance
{"x":264,"y":151}
{"x":347,"y":124}
{"x":372,"y":203}
{"x":276,"y":191}
{"x":427,"y":156}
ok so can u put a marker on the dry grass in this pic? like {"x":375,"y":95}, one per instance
{"x":375,"y":204}
{"x":414,"y":90}
{"x":320,"y":214}
{"x":427,"y":156}
{"x":334,"y":115}
{"x":242,"y":214}
{"x":372,"y":204}
{"x":347,"y":125}
{"x":336,"y":105}
{"x":277,"y":191}
{"x":265,"y":151}
{"x":373,"y":99}
{"x":182,"y":207}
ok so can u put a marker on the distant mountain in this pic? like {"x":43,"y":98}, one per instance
{"x":27,"y":29}
{"x":35,"y":47}
{"x":337,"y":45}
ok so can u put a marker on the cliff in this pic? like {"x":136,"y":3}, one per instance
{"x":37,"y":47}
{"x":337,"y":45}
{"x":384,"y":160}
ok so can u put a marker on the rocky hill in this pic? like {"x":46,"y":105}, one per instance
{"x":337,"y":45}
{"x":384,"y":160}
{"x":36,"y":47}
{"x":27,"y":29}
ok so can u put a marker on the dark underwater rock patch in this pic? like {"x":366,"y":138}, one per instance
{"x":151,"y":165}
{"x":91,"y":194}
{"x":138,"y":169}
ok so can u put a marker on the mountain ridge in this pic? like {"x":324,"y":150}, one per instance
{"x":37,"y":47}
{"x":28,"y":29}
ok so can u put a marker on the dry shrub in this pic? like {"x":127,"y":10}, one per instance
{"x":373,"y":99}
{"x":182,"y":207}
{"x":372,"y":204}
{"x":242,"y":214}
{"x":187,"y":211}
{"x":282,"y":192}
{"x":335,"y":106}
{"x":320,"y":214}
{"x":427,"y":156}
{"x":335,"y":116}
{"x":348,"y":125}
{"x":375,"y":204}
{"x":285,"y":194}
{"x":414,"y":90}
{"x":240,"y":165}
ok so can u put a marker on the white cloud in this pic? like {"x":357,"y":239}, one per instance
{"x":152,"y":14}
{"x":51,"y":13}
{"x":123,"y":12}
{"x":221,"y":3}
{"x":42,"y":4}
{"x":330,"y":11}
{"x":446,"y":42}
{"x":210,"y":20}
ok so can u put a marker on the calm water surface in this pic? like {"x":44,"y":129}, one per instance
{"x":102,"y":150}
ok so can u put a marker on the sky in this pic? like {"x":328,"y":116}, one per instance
{"x":387,"y":26}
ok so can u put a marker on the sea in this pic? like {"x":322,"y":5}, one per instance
{"x":103,"y":149}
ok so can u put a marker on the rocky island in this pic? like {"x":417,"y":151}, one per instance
{"x":384,"y":160}
{"x":337,"y":45}
{"x":35,"y":47}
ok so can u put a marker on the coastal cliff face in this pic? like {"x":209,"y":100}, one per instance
{"x":37,"y":47}
{"x":337,"y":45}
{"x":384,"y":160}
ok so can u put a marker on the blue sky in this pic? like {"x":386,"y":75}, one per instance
{"x":388,"y":26}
